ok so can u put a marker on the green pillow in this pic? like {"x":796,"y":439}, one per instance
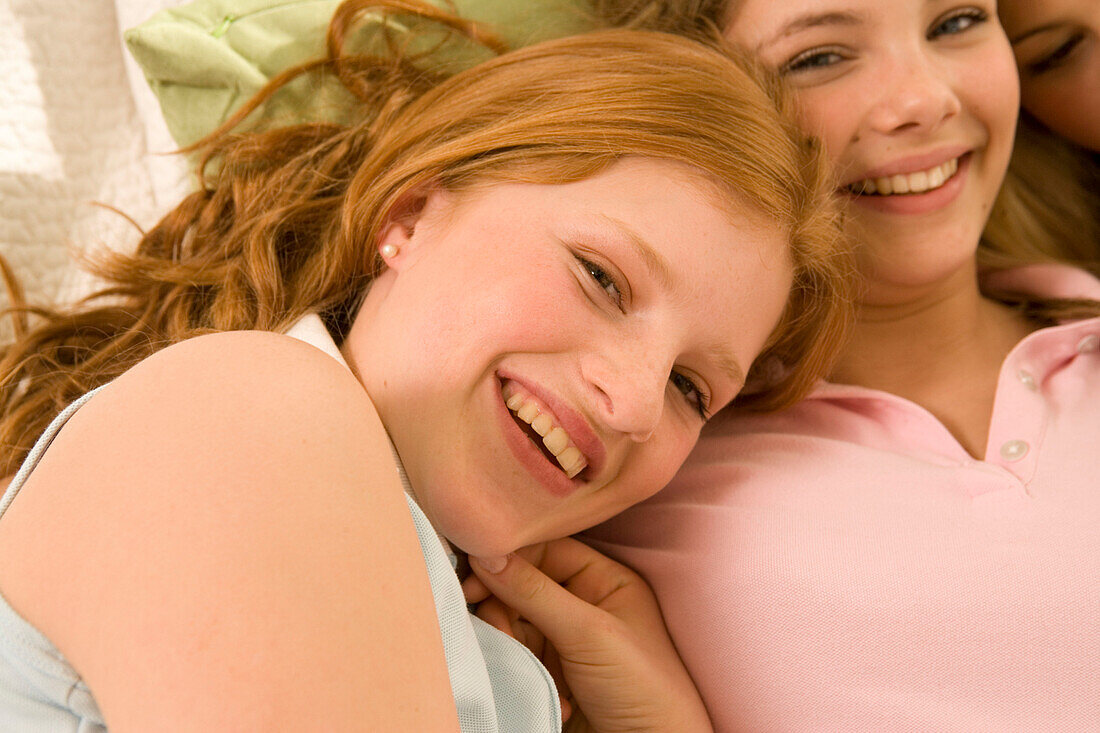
{"x":206,"y":58}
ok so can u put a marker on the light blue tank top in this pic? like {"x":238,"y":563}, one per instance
{"x":498,"y":685}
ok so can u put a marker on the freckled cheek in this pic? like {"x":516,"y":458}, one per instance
{"x":835,"y":125}
{"x":550,"y":307}
{"x":516,"y":312}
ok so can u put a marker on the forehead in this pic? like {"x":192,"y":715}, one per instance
{"x":760,"y":22}
{"x":682,"y":214}
{"x":721,"y":266}
{"x":776,"y":15}
{"x":656,"y":195}
{"x":757,"y":24}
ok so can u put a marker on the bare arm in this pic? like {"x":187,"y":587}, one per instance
{"x":219,"y":541}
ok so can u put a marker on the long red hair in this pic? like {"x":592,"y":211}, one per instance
{"x":284,"y":219}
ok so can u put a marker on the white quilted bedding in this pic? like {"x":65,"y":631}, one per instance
{"x":77,"y":125}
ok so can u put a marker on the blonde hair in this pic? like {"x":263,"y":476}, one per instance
{"x":285,"y":218}
{"x":1049,"y":207}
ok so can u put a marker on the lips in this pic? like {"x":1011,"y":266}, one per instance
{"x":549,"y":436}
{"x":931,"y":199}
{"x":907,"y":183}
{"x":528,"y":447}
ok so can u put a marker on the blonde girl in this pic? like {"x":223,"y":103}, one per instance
{"x":914,"y":546}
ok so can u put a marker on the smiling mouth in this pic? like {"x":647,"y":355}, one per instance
{"x":542,"y":429}
{"x":906,"y":183}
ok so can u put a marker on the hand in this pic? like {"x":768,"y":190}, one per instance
{"x":600,"y":632}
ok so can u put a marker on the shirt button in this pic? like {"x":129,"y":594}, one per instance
{"x":1014,"y":450}
{"x":1088,"y":343}
{"x":1026,"y":378}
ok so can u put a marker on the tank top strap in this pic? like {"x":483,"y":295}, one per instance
{"x":40,"y":446}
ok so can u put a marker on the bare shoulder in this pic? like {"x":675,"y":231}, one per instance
{"x":239,"y":414}
{"x":228,"y":518}
{"x":242,"y":367}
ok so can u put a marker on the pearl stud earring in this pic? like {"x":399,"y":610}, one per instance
{"x":389,"y":251}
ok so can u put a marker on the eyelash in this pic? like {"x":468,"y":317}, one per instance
{"x":683,"y":384}
{"x":976,"y":17}
{"x":604,"y":280}
{"x":1057,"y":56}
{"x":823,"y":57}
{"x":810,"y":60}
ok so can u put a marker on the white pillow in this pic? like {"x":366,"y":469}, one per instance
{"x":76,"y":127}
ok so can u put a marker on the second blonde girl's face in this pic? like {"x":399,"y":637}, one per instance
{"x":619,"y":309}
{"x":916,"y":101}
{"x":1057,"y":46}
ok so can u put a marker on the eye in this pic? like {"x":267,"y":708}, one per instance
{"x":605,"y":281}
{"x":958,"y":22}
{"x":694,"y":396}
{"x":814,"y":58}
{"x":1056,"y":57}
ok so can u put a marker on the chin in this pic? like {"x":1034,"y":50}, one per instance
{"x":480,"y":542}
{"x":486,"y":547}
{"x":914,"y":272}
{"x":476,"y":530}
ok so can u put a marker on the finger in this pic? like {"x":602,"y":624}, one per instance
{"x":474,"y":590}
{"x":596,"y":578}
{"x":502,"y":618}
{"x":566,"y":708}
{"x":533,"y":553}
{"x":497,"y":615}
{"x":559,"y":614}
{"x":531,"y":637}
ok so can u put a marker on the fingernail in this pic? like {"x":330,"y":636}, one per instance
{"x":492,"y":564}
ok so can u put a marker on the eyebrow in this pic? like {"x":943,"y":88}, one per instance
{"x":1036,"y":31}
{"x":660,"y":270}
{"x":728,"y":364}
{"x":813,"y":20}
{"x":655,"y":262}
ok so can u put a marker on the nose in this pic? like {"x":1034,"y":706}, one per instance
{"x":915,"y":95}
{"x":627,"y":391}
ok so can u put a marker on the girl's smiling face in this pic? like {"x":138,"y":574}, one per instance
{"x":1057,"y":47}
{"x":612,"y":314}
{"x":916,"y":102}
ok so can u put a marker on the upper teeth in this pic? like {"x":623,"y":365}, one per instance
{"x":918,"y":182}
{"x":542,"y":421}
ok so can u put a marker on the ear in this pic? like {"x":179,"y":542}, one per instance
{"x":402,"y":233}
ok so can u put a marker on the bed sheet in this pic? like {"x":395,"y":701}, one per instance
{"x":77,"y":125}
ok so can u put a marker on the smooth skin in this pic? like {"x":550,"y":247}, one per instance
{"x":1057,"y":47}
{"x":637,"y":303}
{"x":896,"y":86}
{"x":208,"y":559}
{"x":218,"y":540}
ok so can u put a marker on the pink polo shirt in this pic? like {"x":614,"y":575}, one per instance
{"x":846,"y":565}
